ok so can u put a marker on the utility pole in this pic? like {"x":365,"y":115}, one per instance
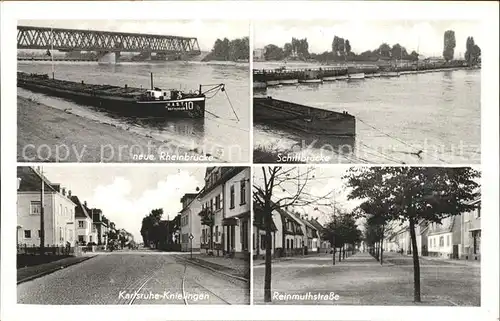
{"x":335,"y":225}
{"x":42,"y":223}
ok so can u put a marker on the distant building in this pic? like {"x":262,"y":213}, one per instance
{"x":190,"y":222}
{"x":258,"y":54}
{"x":100,"y":226}
{"x":85,"y":232}
{"x":59,"y":210}
{"x":471,"y":231}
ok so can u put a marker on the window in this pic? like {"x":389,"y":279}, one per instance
{"x":60,"y":209}
{"x":81,"y":224}
{"x":217,"y":202}
{"x":287,"y":243}
{"x":242,"y":192}
{"x":231,"y":195}
{"x":478,"y":213}
{"x":441,"y":241}
{"x":90,"y":238}
{"x":27,"y":234}
{"x":221,"y":201}
{"x":216,"y":234}
{"x":211,"y":204}
{"x":448,"y":240}
{"x":35,"y":208}
{"x":80,"y":239}
{"x":61,"y":234}
{"x":291,"y":243}
{"x":39,"y":233}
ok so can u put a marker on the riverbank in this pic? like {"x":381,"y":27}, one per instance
{"x":47,"y":134}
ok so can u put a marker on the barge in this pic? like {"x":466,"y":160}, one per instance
{"x":125,"y":100}
{"x":306,"y":119}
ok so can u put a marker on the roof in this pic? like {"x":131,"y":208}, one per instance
{"x":31,"y":180}
{"x":258,"y":218}
{"x":80,"y":210}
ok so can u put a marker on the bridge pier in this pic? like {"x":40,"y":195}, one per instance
{"x":107,"y":57}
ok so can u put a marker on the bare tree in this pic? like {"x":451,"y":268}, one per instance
{"x":280,"y":188}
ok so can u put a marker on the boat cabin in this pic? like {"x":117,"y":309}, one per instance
{"x":158,"y":94}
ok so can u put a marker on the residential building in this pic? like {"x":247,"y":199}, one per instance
{"x":324,"y":245}
{"x":59,"y":210}
{"x":471,"y":233}
{"x":236,"y":221}
{"x":190,"y":222}
{"x":100,"y":226}
{"x":397,"y":238}
{"x":293,"y":235}
{"x":85,"y":232}
{"x":259,"y":233}
{"x":226,"y":211}
{"x":444,"y":239}
{"x":313,"y":237}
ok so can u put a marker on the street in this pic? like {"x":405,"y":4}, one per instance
{"x":361,"y":280}
{"x":133,"y":278}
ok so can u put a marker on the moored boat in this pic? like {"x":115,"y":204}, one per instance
{"x":343,"y":77}
{"x":288,"y":81}
{"x":307,"y":119}
{"x":331,"y":78}
{"x":259,"y":85}
{"x":356,"y":76}
{"x":389,"y":74}
{"x":310,"y":81}
{"x":272,"y":82}
{"x":127,"y":100}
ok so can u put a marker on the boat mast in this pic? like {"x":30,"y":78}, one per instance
{"x":151,"y":81}
{"x":52,"y":50}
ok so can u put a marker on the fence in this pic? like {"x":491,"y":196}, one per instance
{"x":25,"y":249}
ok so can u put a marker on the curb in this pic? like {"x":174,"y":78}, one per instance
{"x":215,"y":270}
{"x":32,"y":277}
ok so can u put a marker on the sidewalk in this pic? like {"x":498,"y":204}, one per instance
{"x":261,"y":261}
{"x":32,"y":272}
{"x":235,"y":266}
{"x":398,"y":258}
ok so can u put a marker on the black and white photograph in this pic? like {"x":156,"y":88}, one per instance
{"x":397,"y":236}
{"x":133,"y":91}
{"x":362,"y":91}
{"x":133,"y":235}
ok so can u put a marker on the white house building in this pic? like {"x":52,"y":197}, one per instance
{"x":190,"y":222}
{"x":59,"y":210}
{"x":226,"y":211}
{"x":86,"y":232}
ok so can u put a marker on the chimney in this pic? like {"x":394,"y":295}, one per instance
{"x":57,"y":187}
{"x":85,"y":203}
{"x":64,"y":191}
{"x":69,"y":193}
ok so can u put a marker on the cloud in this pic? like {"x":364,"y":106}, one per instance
{"x":127,"y":211}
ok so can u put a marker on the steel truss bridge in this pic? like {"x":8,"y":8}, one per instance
{"x":103,"y":41}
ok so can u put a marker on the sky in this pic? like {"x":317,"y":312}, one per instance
{"x":426,"y":36}
{"x":327,"y":182}
{"x":207,"y":31}
{"x":126,"y":194}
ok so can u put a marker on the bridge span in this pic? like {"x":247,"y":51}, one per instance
{"x":105,"y":42}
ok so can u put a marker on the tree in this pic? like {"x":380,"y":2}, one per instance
{"x":277,"y":189}
{"x":273,"y":52}
{"x":287,"y":49}
{"x":472,"y":52}
{"x":413,"y":195}
{"x":347,"y":47}
{"x":149,"y":227}
{"x":384,"y":50}
{"x":449,"y":45}
{"x":398,"y":52}
{"x":342,"y":230}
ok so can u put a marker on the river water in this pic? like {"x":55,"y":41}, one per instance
{"x":437,"y":113}
{"x":222,"y":134}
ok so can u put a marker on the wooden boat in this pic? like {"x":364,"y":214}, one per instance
{"x":310,"y":81}
{"x":288,"y":81}
{"x":356,"y":76}
{"x":330,"y":78}
{"x":343,"y":77}
{"x":272,"y":82}
{"x":127,"y":100}
{"x":307,"y":119}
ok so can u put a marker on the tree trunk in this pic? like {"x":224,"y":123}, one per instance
{"x":344,"y":252}
{"x":416,"y":264}
{"x":382,"y":251}
{"x":340,"y":254}
{"x":267,"y":277}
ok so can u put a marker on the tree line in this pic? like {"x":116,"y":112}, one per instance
{"x":342,"y":51}
{"x":154,"y":233}
{"x":230,"y":50}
